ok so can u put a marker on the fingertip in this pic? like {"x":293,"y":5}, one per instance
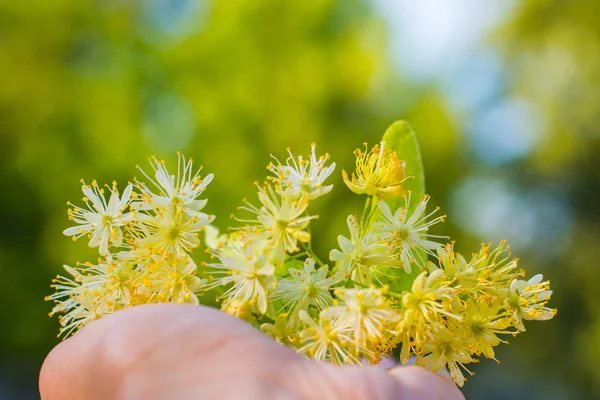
{"x":53,"y":371}
{"x":91,"y":363}
{"x":72,"y":368}
{"x":416,"y":383}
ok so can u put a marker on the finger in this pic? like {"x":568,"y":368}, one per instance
{"x":128,"y":346}
{"x":78,"y":367}
{"x":68,"y":371}
{"x":405,"y":383}
{"x":88,"y":364}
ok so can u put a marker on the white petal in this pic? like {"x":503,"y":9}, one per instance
{"x":419,"y":210}
{"x":345,"y":244}
{"x":535,"y":280}
{"x":211,"y":236}
{"x":113,"y":203}
{"x":95,"y":240}
{"x":75,"y":230}
{"x":336,"y":255}
{"x":89,"y":193}
{"x":385,"y":209}
{"x":198,"y":205}
{"x":353,"y":228}
{"x":117,"y":241}
{"x":207,"y":180}
{"x":126,"y":196}
{"x":165,"y":180}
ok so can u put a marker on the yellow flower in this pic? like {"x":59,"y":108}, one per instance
{"x":176,"y":193}
{"x":305,"y":287}
{"x":428,"y":298}
{"x":527,"y":300}
{"x":327,"y":340}
{"x":251,"y":275}
{"x":378,"y":173}
{"x":240,"y":309}
{"x":93,"y":291}
{"x":446,"y":348}
{"x":173,"y":280}
{"x":457,"y":271}
{"x":366,"y":311}
{"x":488,"y":272}
{"x":427,"y":306}
{"x":409,"y":333}
{"x":102,"y":220}
{"x":282,"y":222}
{"x":284,"y":329}
{"x":362,"y":256}
{"x":408,"y":231}
{"x":302,"y":176}
{"x":169,"y":234}
{"x":482,"y":322}
{"x":497,"y":265}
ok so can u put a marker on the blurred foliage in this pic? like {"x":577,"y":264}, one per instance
{"x":552,"y":52}
{"x":91,"y":88}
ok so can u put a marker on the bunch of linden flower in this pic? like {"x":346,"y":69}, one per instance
{"x":264,"y":271}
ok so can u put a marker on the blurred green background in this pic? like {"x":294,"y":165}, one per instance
{"x":504,"y":97}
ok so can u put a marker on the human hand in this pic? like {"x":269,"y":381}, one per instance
{"x":169,"y":351}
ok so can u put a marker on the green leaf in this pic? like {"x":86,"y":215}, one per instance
{"x":401,"y":138}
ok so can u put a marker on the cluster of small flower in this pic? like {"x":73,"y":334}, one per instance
{"x":266,"y":272}
{"x":145,"y":241}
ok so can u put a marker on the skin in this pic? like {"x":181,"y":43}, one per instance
{"x":169,"y":351}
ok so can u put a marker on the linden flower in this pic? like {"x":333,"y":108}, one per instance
{"x":170,"y":234}
{"x":497,"y":265}
{"x":301,"y":176}
{"x":409,"y":232}
{"x":176,"y":192}
{"x":240,"y":309}
{"x":93,"y":291}
{"x":488,"y":273}
{"x":281,"y":222}
{"x":378,"y":173}
{"x":409,"y":333}
{"x":250,"y":274}
{"x":446,"y":348}
{"x":482,"y":322}
{"x":527,"y":300}
{"x":457,"y":271}
{"x":284,"y":330}
{"x":366,"y":311}
{"x":361,"y":255}
{"x":306,"y":287}
{"x":212,"y":237}
{"x":102,"y":220}
{"x":327,"y":341}
{"x":426,"y":299}
{"x":174,"y":281}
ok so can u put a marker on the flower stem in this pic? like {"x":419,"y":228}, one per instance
{"x":394,"y":295}
{"x":367,"y":204}
{"x":311,"y":254}
{"x":296,"y":256}
{"x":362,"y":285}
{"x":371,"y":206}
